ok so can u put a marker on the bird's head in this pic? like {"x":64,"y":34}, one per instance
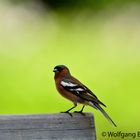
{"x":61,"y":70}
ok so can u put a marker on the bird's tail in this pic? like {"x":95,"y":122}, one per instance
{"x":104,"y":113}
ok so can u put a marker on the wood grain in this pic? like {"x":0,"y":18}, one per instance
{"x":59,"y":126}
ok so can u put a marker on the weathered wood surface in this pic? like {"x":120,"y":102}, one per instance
{"x":47,"y":127}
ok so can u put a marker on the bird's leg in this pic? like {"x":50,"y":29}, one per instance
{"x":70,"y":109}
{"x":75,"y":104}
{"x":81,"y":111}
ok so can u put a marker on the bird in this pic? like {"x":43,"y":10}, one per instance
{"x":75,"y":91}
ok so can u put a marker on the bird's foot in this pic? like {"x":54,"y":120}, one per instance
{"x":67,"y":113}
{"x":80,"y":112}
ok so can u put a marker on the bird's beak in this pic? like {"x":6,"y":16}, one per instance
{"x":55,"y":70}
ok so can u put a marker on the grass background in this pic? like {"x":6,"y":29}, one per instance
{"x":101,"y":49}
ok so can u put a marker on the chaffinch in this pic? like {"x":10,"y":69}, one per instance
{"x":72,"y":89}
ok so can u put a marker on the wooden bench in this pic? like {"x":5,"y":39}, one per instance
{"x":59,"y":126}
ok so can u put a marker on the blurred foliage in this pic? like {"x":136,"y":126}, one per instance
{"x":77,"y":4}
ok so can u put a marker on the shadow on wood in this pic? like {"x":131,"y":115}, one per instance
{"x":59,"y":126}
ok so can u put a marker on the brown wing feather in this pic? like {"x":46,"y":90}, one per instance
{"x":86,"y":94}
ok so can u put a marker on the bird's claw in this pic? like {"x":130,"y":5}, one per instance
{"x":67,"y":113}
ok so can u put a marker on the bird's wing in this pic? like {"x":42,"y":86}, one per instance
{"x":78,"y":89}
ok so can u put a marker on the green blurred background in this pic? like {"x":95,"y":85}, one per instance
{"x":98,"y":40}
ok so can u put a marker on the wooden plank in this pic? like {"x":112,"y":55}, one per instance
{"x":59,"y":126}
